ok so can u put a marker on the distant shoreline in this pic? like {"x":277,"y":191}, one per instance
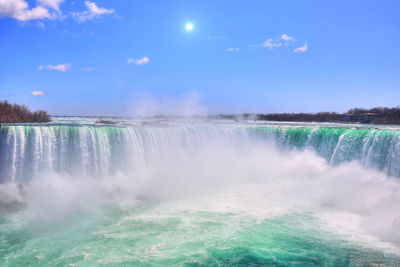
{"x":357,"y":115}
{"x":381,"y":115}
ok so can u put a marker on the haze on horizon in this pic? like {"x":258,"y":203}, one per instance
{"x":195,"y":57}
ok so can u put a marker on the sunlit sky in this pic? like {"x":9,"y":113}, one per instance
{"x":126,"y":57}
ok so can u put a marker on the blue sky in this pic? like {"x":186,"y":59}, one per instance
{"x":124,"y":57}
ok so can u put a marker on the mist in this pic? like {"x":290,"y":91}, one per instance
{"x":187,"y":104}
{"x":251,"y":179}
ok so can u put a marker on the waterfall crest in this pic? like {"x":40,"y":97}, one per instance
{"x":27,"y":150}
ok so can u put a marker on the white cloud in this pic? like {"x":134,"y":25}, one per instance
{"x":286,"y":37}
{"x":59,"y":67}
{"x":88,"y":69}
{"x":232,"y":49}
{"x":54,"y":4}
{"x":93,"y":11}
{"x":139,"y":61}
{"x":301,"y":49}
{"x":283,"y":40}
{"x":270,"y":44}
{"x":37,"y":93}
{"x":18,"y":9}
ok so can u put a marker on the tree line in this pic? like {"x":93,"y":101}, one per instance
{"x":13,"y":113}
{"x":378,"y":115}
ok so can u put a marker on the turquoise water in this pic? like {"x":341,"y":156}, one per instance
{"x":141,"y":236}
{"x":199,"y":194}
{"x":121,"y":237}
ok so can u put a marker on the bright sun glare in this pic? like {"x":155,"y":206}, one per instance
{"x":189,"y":26}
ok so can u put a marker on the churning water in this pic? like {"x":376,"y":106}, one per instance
{"x":75,"y":193}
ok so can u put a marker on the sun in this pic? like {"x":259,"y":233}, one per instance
{"x":189,"y":26}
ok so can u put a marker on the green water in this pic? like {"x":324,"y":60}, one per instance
{"x":144,"y":236}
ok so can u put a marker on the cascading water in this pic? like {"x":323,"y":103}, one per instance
{"x":96,"y":151}
{"x":26,"y":151}
{"x":199,"y":193}
{"x":378,"y":148}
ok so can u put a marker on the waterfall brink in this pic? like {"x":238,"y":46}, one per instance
{"x":26,"y":151}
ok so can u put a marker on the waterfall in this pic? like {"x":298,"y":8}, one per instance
{"x":377,"y":148}
{"x":196,"y":188}
{"x":28,"y":150}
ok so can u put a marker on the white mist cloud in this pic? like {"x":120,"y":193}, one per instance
{"x":232,"y":49}
{"x":54,"y":4}
{"x":139,"y":61}
{"x":59,"y":67}
{"x":37,"y":93}
{"x":93,"y":11}
{"x":286,"y":37}
{"x":301,"y":49}
{"x":185,"y":105}
{"x":19,"y":10}
{"x":270,"y":44}
{"x":283,"y":40}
